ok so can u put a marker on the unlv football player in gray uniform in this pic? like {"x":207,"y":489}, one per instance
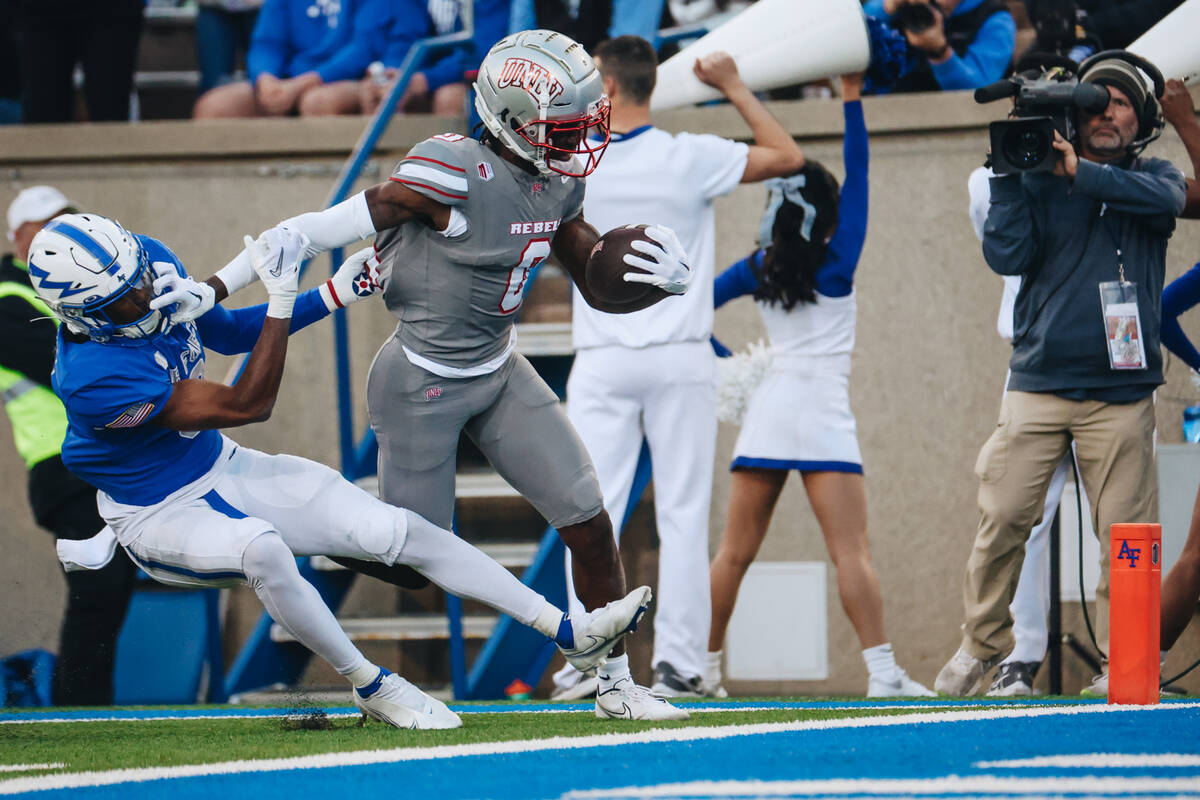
{"x":462,"y":223}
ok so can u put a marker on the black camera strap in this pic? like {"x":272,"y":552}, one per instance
{"x":1017,"y":338}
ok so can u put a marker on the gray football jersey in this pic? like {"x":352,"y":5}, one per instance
{"x":456,"y":299}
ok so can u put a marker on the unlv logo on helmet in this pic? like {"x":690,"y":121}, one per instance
{"x":529,"y":76}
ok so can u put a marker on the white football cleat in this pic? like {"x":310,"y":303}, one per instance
{"x":571,"y":684}
{"x":900,"y":686}
{"x":626,"y":700}
{"x":391,"y":699}
{"x":597,"y":632}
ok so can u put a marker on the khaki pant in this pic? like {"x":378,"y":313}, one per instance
{"x":1114,"y":444}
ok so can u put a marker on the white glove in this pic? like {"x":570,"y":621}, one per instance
{"x":181,"y":299}
{"x":275,"y":256}
{"x":356,"y":278}
{"x":667,"y":266}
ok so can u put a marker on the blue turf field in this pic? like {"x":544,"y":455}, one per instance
{"x":1111,"y":753}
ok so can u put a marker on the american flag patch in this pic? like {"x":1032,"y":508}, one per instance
{"x":132,"y":416}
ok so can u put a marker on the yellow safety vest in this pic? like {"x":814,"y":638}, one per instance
{"x":38,"y":418}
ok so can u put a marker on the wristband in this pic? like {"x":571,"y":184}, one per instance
{"x":280,"y":305}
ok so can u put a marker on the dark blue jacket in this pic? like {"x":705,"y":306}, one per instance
{"x":1064,"y":237}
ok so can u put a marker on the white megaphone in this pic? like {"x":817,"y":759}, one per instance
{"x":774,"y":43}
{"x":1171,"y":44}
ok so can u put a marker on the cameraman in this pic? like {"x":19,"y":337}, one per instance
{"x":1102,"y":216}
{"x":952,"y":44}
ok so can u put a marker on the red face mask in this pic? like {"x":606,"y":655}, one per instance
{"x":563,"y":139}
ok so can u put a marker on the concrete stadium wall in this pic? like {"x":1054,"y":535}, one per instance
{"x":928,"y":369}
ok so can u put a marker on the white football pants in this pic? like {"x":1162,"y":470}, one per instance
{"x":666,"y":394}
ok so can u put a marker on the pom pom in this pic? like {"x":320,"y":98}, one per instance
{"x":889,"y":55}
{"x":737,"y":378}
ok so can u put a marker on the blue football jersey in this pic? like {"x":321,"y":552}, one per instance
{"x":113,"y":390}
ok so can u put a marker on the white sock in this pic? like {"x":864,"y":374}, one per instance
{"x":362,"y":675}
{"x":881,"y":661}
{"x":548,"y":620}
{"x":712,"y":668}
{"x":613,"y":669}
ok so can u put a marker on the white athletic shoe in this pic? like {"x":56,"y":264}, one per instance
{"x":397,"y":702}
{"x":597,"y":632}
{"x":571,"y":684}
{"x":626,"y":700}
{"x":962,"y":672}
{"x":900,"y":686}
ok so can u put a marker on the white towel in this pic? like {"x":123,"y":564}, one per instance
{"x":93,"y":553}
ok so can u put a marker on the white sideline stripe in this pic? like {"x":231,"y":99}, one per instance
{"x":467,"y":709}
{"x":907,"y":787}
{"x":28,"y":767}
{"x":434,"y":176}
{"x":1097,"y":760}
{"x":363,"y":757}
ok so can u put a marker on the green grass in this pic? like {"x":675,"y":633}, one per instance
{"x":83,"y":746}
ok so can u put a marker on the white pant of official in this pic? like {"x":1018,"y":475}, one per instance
{"x":666,"y":394}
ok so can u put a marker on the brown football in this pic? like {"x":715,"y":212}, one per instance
{"x":606,"y":268}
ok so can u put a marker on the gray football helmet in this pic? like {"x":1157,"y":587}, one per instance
{"x":540,"y":94}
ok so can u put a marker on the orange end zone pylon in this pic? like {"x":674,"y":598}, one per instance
{"x":1135,"y":578}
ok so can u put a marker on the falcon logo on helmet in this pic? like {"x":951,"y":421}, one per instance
{"x":81,"y":264}
{"x":540,"y":95}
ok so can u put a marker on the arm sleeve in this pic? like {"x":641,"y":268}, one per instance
{"x":269,"y":46}
{"x":434,"y":168}
{"x":738,"y":279}
{"x":233,"y":331}
{"x":522,"y":16}
{"x":636,"y":17}
{"x":366,"y":43}
{"x":717,"y":164}
{"x":1180,"y":295}
{"x":1011,"y":237}
{"x":26,"y":342}
{"x":986,"y":58}
{"x":1156,"y":187}
{"x":835,"y":278}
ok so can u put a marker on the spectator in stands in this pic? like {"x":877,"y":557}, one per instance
{"x":1117,"y":23}
{"x":589,"y":22}
{"x":440,"y":87}
{"x":1104,"y":215}
{"x":10,"y":67}
{"x":61,"y":503}
{"x":969,"y":43}
{"x":223,"y":28}
{"x":56,"y":35}
{"x":299,"y":45}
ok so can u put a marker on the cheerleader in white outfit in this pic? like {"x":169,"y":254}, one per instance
{"x":799,"y":417}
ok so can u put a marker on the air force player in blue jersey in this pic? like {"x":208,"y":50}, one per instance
{"x":193,"y":508}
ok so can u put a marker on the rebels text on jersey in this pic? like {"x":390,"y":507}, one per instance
{"x":456,"y":297}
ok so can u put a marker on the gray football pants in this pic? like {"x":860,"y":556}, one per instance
{"x":511,"y":415}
